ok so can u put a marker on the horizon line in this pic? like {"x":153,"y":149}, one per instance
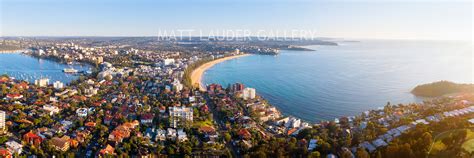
{"x":308,"y":38}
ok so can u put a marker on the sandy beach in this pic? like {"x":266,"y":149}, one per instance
{"x":196,"y":75}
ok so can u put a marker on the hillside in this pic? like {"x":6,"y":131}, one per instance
{"x":441,"y":88}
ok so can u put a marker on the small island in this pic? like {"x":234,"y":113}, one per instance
{"x":440,"y":88}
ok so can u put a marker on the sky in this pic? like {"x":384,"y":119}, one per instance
{"x":366,"y":19}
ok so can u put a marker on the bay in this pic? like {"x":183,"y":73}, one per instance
{"x":348,"y":79}
{"x":24,"y":67}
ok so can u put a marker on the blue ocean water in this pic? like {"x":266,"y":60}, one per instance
{"x":348,"y":79}
{"x":28,"y":68}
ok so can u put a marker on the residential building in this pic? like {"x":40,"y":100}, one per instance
{"x":51,"y":109}
{"x":58,"y":85}
{"x":167,"y":62}
{"x":248,"y":93}
{"x":5,"y":153}
{"x":14,"y":147}
{"x":160,"y":135}
{"x":32,"y":139}
{"x":3,"y":127}
{"x":171,"y":133}
{"x":180,"y":113}
{"x":61,"y":144}
{"x":237,"y":87}
{"x":82,"y":112}
{"x":182,"y":135}
{"x":146,"y":118}
{"x":43,"y":82}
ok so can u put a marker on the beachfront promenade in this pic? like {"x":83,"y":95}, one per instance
{"x":196,"y":75}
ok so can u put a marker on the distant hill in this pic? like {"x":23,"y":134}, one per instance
{"x":441,"y":88}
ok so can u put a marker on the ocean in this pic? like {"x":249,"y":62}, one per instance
{"x":348,"y":79}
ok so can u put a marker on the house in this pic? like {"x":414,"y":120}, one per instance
{"x":122,"y":131}
{"x":51,"y":109}
{"x":82,"y":112}
{"x":5,"y":153}
{"x":67,"y":124}
{"x":293,"y":123}
{"x":107,"y":119}
{"x":182,"y":135}
{"x":73,"y":143}
{"x":116,"y":136}
{"x":160,"y":135}
{"x":4,"y":79}
{"x":14,"y":96}
{"x":312,"y":144}
{"x":244,"y":134}
{"x":162,"y":109}
{"x":209,"y":132}
{"x":108,"y":150}
{"x":22,"y":85}
{"x":61,"y":144}
{"x":146,"y":118}
{"x":171,"y":133}
{"x":90,"y":124}
{"x":32,"y":139}
{"x":14,"y":147}
{"x":205,"y":109}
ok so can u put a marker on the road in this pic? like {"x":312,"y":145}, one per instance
{"x":221,"y":126}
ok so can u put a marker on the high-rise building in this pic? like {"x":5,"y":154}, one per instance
{"x":248,"y":93}
{"x":238,"y":87}
{"x":42,"y":82}
{"x":236,"y":51}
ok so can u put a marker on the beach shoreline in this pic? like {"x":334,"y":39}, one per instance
{"x":197,"y":74}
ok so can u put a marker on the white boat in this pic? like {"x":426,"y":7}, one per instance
{"x":70,"y":70}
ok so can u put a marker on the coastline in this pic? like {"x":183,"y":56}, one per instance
{"x":197,"y":74}
{"x":12,"y":51}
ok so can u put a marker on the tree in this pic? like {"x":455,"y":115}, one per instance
{"x":362,"y":153}
{"x":227,"y":137}
{"x":315,"y":154}
{"x":406,"y":151}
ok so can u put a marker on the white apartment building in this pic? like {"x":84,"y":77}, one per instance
{"x":42,"y":82}
{"x":167,"y":62}
{"x":51,"y":109}
{"x":14,"y":147}
{"x":248,"y":93}
{"x":177,"y":113}
{"x":58,"y":85}
{"x":2,"y":122}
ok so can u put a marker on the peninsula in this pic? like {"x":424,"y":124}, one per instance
{"x":440,"y":88}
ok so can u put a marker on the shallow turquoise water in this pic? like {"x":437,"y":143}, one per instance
{"x":346,"y":80}
{"x":29,"y":68}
